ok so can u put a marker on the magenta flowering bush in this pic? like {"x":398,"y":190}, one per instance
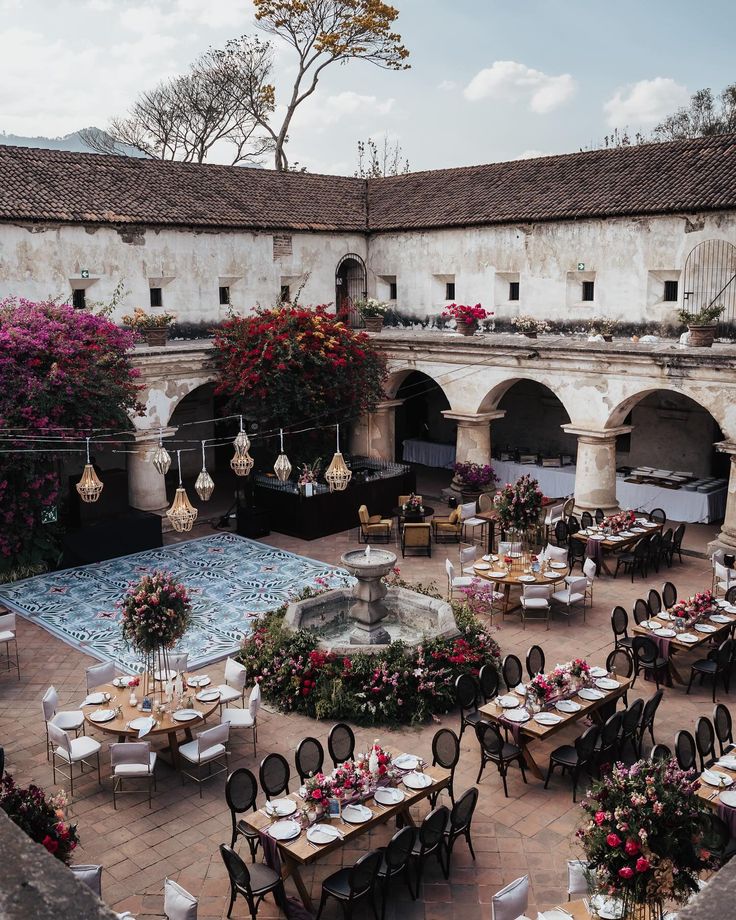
{"x":41,"y":816}
{"x":475,"y":475}
{"x":64,"y":372}
{"x":156,"y":612}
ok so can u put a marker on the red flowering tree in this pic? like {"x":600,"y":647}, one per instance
{"x":64,"y":372}
{"x":291,"y":365}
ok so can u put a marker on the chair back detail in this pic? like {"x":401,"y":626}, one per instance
{"x":100,"y":674}
{"x":685,"y":750}
{"x":488,"y":680}
{"x":218,"y":734}
{"x":60,"y":738}
{"x":511,"y":902}
{"x":131,"y":753}
{"x":241,"y":790}
{"x":235,"y":674}
{"x":341,"y":743}
{"x":512,"y":671}
{"x":535,"y":661}
{"x":309,"y":758}
{"x":49,"y":703}
{"x":274,"y":774}
{"x":669,"y":594}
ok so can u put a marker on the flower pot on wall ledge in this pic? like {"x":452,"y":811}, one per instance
{"x":531,"y":335}
{"x":701,"y":336}
{"x":607,"y":337}
{"x":373,"y":323}
{"x":467,"y":328}
{"x":156,"y":336}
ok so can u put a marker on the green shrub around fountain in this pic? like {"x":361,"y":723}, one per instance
{"x":397,"y":685}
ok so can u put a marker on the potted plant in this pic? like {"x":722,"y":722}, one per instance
{"x":473,"y":478}
{"x":308,"y":477}
{"x":701,"y":325}
{"x":466,"y":317}
{"x":529,"y":325}
{"x":372,"y":311}
{"x":152,"y":326}
{"x":602,"y":325}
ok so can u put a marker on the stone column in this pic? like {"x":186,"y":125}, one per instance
{"x":374,"y":435}
{"x":473,"y":444}
{"x":146,"y":486}
{"x":726,"y":539}
{"x":595,"y":472}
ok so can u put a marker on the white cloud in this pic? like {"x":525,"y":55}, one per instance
{"x":330,"y":110}
{"x":644,"y":103}
{"x":160,"y":15}
{"x":447,"y":85}
{"x":510,"y":81}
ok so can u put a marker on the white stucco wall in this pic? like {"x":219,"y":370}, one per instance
{"x":40,"y":262}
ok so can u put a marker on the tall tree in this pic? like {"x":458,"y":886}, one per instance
{"x":225,"y":96}
{"x":375,"y":162}
{"x":324,"y":32}
{"x":705,"y":115}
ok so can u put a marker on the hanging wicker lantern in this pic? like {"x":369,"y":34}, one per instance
{"x":337,"y":474}
{"x":241,"y":443}
{"x":181,"y":514}
{"x":282,"y":467}
{"x":161,"y":460}
{"x":204,"y":486}
{"x":89,"y":486}
{"x":241,"y":463}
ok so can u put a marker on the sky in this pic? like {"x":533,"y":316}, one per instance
{"x":490,"y":79}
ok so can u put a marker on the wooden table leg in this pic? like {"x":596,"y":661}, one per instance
{"x":674,"y":673}
{"x":529,"y":760}
{"x":174,"y":748}
{"x":290,"y":867}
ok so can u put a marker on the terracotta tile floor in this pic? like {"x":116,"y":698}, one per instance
{"x":530,"y":832}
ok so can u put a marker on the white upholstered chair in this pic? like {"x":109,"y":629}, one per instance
{"x":469,"y":519}
{"x":7,"y":635}
{"x":512,"y":901}
{"x":245,"y":718}
{"x":208,"y":748}
{"x":177,"y":663}
{"x":91,"y":876}
{"x":455,"y":582}
{"x":577,"y":880}
{"x":178,"y":903}
{"x":535,"y":600}
{"x":100,"y":674}
{"x":723,"y":577}
{"x":505,"y":547}
{"x":132,"y":760}
{"x":69,"y":721}
{"x":555,"y":553}
{"x":468,"y":556}
{"x":234,"y":687}
{"x":574,"y":593}
{"x":71,"y":751}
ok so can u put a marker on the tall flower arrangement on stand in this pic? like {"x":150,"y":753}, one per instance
{"x":642,"y":837}
{"x":519,"y":504}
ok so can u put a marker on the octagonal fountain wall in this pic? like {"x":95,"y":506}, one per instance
{"x":369,"y":615}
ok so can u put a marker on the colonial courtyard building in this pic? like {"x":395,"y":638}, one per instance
{"x":632,"y":234}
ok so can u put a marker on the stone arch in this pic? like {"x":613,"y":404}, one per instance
{"x":617,"y":415}
{"x":493,"y":397}
{"x":397,"y":377}
{"x":163,"y":396}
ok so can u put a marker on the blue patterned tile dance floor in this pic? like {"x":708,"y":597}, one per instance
{"x":232,"y":579}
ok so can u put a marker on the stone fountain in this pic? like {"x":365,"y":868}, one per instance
{"x":369,"y":614}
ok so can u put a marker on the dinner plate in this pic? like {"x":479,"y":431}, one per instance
{"x":597,"y":536}
{"x":165,"y":675}
{"x":728,"y":798}
{"x":704,"y":628}
{"x":514,"y":555}
{"x":284,"y":830}
{"x":687,"y":638}
{"x":526,"y":578}
{"x":139,"y":723}
{"x":663,"y":615}
{"x":551,"y":575}
{"x":588,"y":693}
{"x":388,"y":795}
{"x":650,"y":624}
{"x":728,"y":762}
{"x":415,"y":781}
{"x":614,"y":538}
{"x":282,"y":808}
{"x":95,"y":699}
{"x":667,"y":633}
{"x":720,"y":618}
{"x":716,"y":778}
{"x":547,"y":718}
{"x":208,"y":696}
{"x":649,"y":524}
{"x":406,"y":762}
{"x":598,"y":671}
{"x":356,"y":814}
{"x":558,"y":565}
{"x":626,"y":533}
{"x":607,"y":683}
{"x":567,"y":706}
{"x":520,"y":689}
{"x":729,"y":608}
{"x":497,"y":574}
{"x":636,"y":530}
{"x":607,"y":908}
{"x":507,"y":702}
{"x":481,"y":566}
{"x":185,"y":715}
{"x":517,"y":715}
{"x":488,"y":558}
{"x":322,"y":834}
{"x":201,"y":681}
{"x":102,"y":715}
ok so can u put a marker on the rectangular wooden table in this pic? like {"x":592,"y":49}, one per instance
{"x":710,"y":793}
{"x":300,"y":852}
{"x":617,"y":546}
{"x":678,"y":646}
{"x":532,"y":731}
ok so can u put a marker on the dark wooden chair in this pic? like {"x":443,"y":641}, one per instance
{"x":274,"y":774}
{"x":648,"y":716}
{"x":648,"y":659}
{"x":493,"y":749}
{"x":535,"y":661}
{"x":459,"y":824}
{"x":395,"y":861}
{"x":352,"y":884}
{"x":445,"y":754}
{"x":341,"y":743}
{"x":241,"y":792}
{"x":466,"y":697}
{"x":575,"y":759}
{"x":309,"y":758}
{"x":719,"y":666}
{"x":253,"y":884}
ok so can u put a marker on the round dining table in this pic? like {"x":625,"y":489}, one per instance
{"x":165,"y":723}
{"x":519,"y":574}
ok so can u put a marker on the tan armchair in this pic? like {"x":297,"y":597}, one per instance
{"x":448,"y":529}
{"x":416,"y":537}
{"x":373,"y":528}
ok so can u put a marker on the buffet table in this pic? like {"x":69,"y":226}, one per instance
{"x":678,"y":504}
{"x":429,"y":453}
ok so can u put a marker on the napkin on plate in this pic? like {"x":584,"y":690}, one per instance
{"x":145,"y":729}
{"x":89,"y":702}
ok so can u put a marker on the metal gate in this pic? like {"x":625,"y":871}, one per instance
{"x":350,"y":287}
{"x":710,"y":278}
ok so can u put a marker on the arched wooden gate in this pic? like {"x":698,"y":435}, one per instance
{"x":350,"y":287}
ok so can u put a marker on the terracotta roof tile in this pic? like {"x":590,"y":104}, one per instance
{"x":53,"y":185}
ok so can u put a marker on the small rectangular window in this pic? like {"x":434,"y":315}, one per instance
{"x":392,"y":290}
{"x":224,"y":295}
{"x":78,"y":299}
{"x":588,"y":290}
{"x":670,"y":291}
{"x":285,"y":296}
{"x":156,"y":297}
{"x":513,"y":290}
{"x":450,"y":290}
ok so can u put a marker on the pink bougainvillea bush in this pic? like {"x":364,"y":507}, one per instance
{"x":63,"y":373}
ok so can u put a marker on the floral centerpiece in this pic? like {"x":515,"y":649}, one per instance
{"x":529,"y":325}
{"x":42,"y":817}
{"x":579,"y":669}
{"x":694,"y":608}
{"x":155,"y":614}
{"x":559,"y":682}
{"x":413,"y":505}
{"x":466,"y":316}
{"x":618,"y":522}
{"x":308,"y":477}
{"x":474,"y":478}
{"x":318,"y":789}
{"x":642,"y":836}
{"x":519,"y":505}
{"x":540,"y":690}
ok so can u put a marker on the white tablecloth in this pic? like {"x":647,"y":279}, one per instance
{"x":678,"y":505}
{"x":429,"y":454}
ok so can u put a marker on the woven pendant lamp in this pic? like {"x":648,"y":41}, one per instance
{"x":161,"y":458}
{"x":242,"y":462}
{"x":89,"y":486}
{"x":282,"y":467}
{"x":337,"y":474}
{"x":204,"y":486}
{"x":181,"y":514}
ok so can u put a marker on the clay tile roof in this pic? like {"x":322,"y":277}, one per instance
{"x":60,"y":186}
{"x":57,"y":185}
{"x":665,"y":178}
